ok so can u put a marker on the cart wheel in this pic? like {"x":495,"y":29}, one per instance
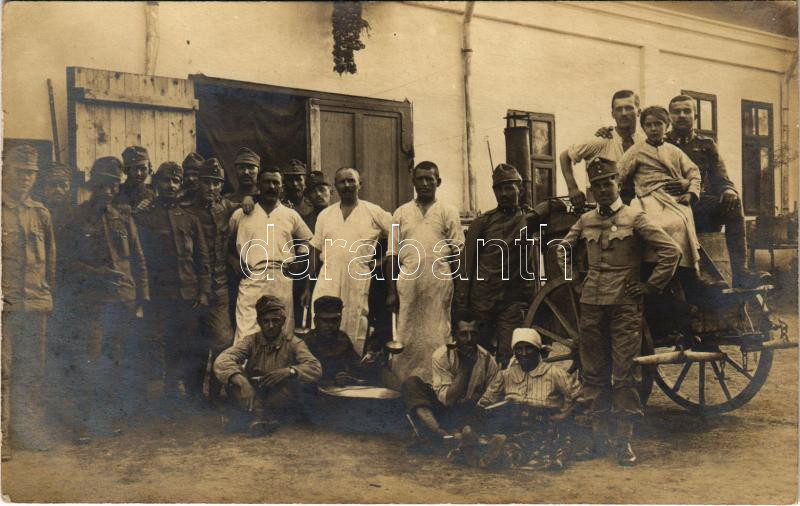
{"x":555,"y":314}
{"x":719,"y":386}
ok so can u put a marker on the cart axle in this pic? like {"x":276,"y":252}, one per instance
{"x":680,"y":357}
{"x":779,"y":345}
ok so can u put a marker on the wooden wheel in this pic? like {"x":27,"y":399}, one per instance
{"x":555,"y":314}
{"x":720,"y":386}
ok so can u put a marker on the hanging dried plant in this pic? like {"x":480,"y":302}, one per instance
{"x":347,"y":28}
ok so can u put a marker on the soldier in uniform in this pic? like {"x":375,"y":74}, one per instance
{"x":495,"y":281}
{"x":294,"y":175}
{"x":719,"y":203}
{"x":246,"y":164}
{"x":214,"y":212}
{"x":137,"y":168}
{"x":268,"y":373}
{"x":179,"y":278}
{"x":318,"y":193}
{"x":611,"y":304}
{"x":107,"y":266}
{"x":29,"y":275}
{"x":191,"y":167}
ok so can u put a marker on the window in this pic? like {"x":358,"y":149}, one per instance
{"x":705,"y":107}
{"x":542,"y":137}
{"x":758,"y":185}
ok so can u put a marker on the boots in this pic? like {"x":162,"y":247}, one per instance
{"x":625,"y":455}
{"x":600,"y":444}
{"x":736,"y":242}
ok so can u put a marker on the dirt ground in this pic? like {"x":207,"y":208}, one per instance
{"x":748,"y":456}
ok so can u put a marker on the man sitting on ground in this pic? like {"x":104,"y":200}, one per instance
{"x":461,"y":371}
{"x":268,"y":373}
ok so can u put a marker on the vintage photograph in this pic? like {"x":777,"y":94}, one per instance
{"x":400,"y":252}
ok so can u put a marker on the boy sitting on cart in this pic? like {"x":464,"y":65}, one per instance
{"x":528,"y":401}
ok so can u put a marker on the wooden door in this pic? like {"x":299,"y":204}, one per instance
{"x":374,"y":138}
{"x":108,"y":111}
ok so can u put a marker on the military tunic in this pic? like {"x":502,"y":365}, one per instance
{"x":492,"y":285}
{"x":29,"y":273}
{"x":178,"y":269}
{"x":611,"y":320}
{"x":709,"y":215}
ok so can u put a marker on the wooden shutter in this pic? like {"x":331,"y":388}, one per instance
{"x":108,"y":111}
{"x":374,"y":138}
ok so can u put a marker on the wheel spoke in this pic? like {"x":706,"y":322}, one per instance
{"x":721,"y":380}
{"x":702,"y":383}
{"x":573,"y":304}
{"x":573,"y":334}
{"x":569,"y":343}
{"x":681,"y":377}
{"x":739,"y":368}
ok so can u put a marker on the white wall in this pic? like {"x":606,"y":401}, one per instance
{"x":561,"y":58}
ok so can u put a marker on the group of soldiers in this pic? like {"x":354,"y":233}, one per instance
{"x":152,"y":299}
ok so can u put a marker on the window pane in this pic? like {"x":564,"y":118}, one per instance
{"x":747,"y":122}
{"x":706,"y":115}
{"x":541,"y":138}
{"x":763,"y":122}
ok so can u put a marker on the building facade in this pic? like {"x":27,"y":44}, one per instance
{"x":246,"y":67}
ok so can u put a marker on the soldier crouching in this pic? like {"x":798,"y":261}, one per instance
{"x":269,"y":374}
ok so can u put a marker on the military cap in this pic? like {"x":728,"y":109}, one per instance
{"x":504,"y":173}
{"x":134,"y":154}
{"x":601,"y":168}
{"x":106,"y":169}
{"x":22,"y":157}
{"x":212,"y":169}
{"x":57,"y":171}
{"x":269,"y":303}
{"x":246,"y":156}
{"x":328,"y":306}
{"x":294,"y":167}
{"x":169,"y":170}
{"x":316,"y":178}
{"x":192,"y":162}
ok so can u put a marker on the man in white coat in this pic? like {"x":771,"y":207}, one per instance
{"x":426,"y":235}
{"x":345,"y":240}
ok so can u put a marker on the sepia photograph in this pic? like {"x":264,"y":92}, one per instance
{"x":413,"y":252}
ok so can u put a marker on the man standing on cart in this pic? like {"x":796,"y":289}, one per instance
{"x":611,"y":305}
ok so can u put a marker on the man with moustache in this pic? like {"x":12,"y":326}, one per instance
{"x":719,"y":203}
{"x":318,"y":193}
{"x":344,"y":244}
{"x":29,"y":276}
{"x":611,"y":144}
{"x":106,"y":263}
{"x":295,"y":175}
{"x":137,"y":168}
{"x":495,"y":280}
{"x":262,"y":245}
{"x":611,"y":304}
{"x":423,"y":289}
{"x":268,"y":372}
{"x":462,"y":370}
{"x":180,"y":282}
{"x":246,"y":166}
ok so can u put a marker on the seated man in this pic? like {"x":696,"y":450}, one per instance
{"x":538,"y":396}
{"x":461,"y":373}
{"x":334,"y":349}
{"x":267,"y":373}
